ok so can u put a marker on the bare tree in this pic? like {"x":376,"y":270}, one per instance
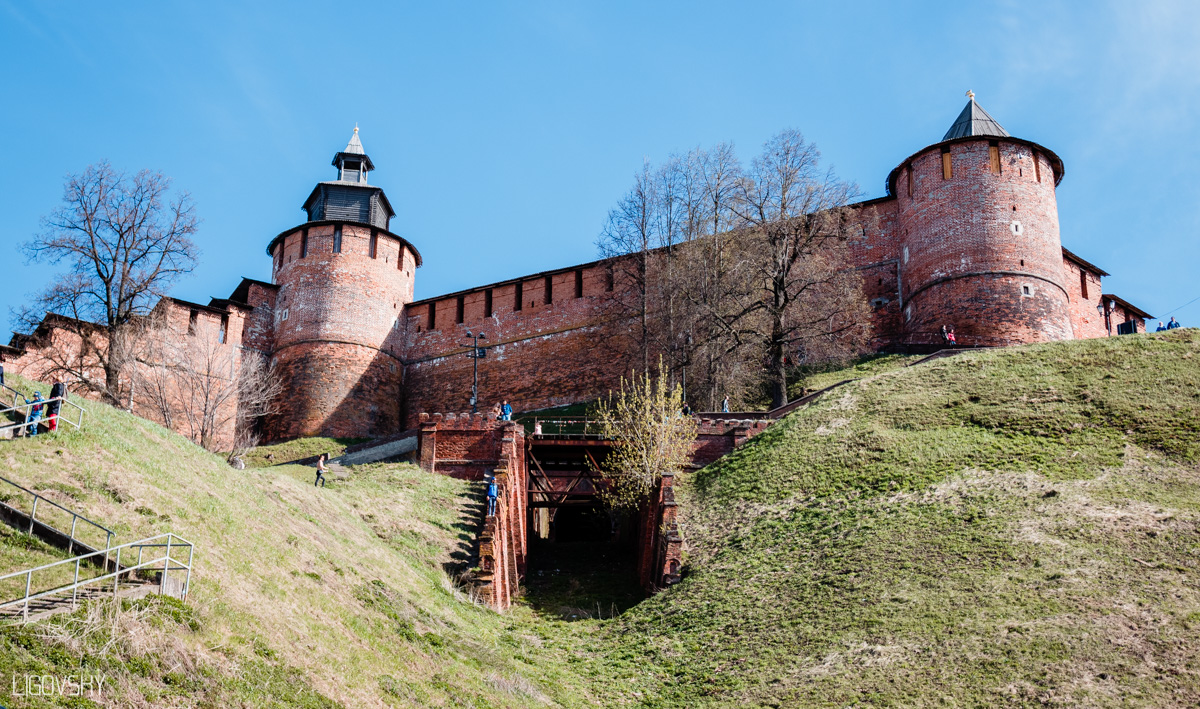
{"x":124,"y":241}
{"x":727,"y":269}
{"x":797,"y":228}
{"x":630,"y":233}
{"x":212,"y":392}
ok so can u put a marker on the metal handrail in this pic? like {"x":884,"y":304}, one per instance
{"x":75,"y":517}
{"x":25,"y":423}
{"x":172,"y":541}
{"x":563,"y":426}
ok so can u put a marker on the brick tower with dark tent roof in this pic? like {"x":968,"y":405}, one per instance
{"x":978,"y":237}
{"x":343,"y":280}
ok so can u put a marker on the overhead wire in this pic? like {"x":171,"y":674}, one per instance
{"x":1193,"y":300}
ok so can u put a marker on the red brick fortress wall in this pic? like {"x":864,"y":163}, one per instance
{"x":980,"y":250}
{"x":336,"y":335}
{"x":557,"y":348}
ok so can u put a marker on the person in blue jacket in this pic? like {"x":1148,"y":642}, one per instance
{"x":492,"y":492}
{"x":1173,"y":324}
{"x":505,"y":411}
{"x":35,"y":412}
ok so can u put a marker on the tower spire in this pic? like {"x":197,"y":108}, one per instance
{"x":355,"y":146}
{"x":974,"y":121}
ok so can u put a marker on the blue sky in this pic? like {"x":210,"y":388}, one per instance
{"x":504,"y":132}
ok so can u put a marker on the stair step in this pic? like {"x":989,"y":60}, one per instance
{"x":53,"y":605}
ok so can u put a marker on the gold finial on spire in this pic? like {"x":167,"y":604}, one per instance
{"x":970,"y":95}
{"x":356,"y":126}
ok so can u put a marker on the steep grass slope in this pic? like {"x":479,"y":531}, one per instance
{"x":1013,"y":527}
{"x":302,"y":596}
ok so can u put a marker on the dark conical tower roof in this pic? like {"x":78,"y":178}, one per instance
{"x":974,"y":121}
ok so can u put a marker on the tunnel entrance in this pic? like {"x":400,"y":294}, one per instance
{"x":583,"y":561}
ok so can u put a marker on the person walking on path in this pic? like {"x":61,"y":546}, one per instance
{"x":58,"y":392}
{"x":35,"y":413}
{"x":1173,"y":324}
{"x":950,"y":337}
{"x":493,"y":491}
{"x":686,"y":410}
{"x":321,"y":470}
{"x":945,"y":335}
{"x":505,"y":411}
{"x":725,"y":404}
{"x":496,"y":412}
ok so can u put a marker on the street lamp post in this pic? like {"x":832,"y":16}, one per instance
{"x":1104,"y":313}
{"x":477,"y":353}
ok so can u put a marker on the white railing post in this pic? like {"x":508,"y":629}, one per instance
{"x":117,"y":574}
{"x":28,"y":583}
{"x":75,"y":588}
{"x":162,"y":583}
{"x":33,"y":515}
{"x":74,"y":520}
{"x":187,"y":581}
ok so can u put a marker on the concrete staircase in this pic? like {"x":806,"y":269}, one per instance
{"x":101,"y":574}
{"x":47,"y":606}
{"x":96,"y":571}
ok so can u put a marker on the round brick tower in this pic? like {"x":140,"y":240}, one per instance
{"x":979,"y":241}
{"x":343,"y":279}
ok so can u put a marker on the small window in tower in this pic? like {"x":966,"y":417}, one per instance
{"x":223,"y":330}
{"x":947,"y":168}
{"x":1083,"y":283}
{"x":908,"y":312}
{"x":1037,"y":166}
{"x":487,"y":303}
{"x":548,"y":291}
{"x":337,"y":239}
{"x":579,"y":283}
{"x":374,"y":247}
{"x":304,"y":243}
{"x":461,"y":308}
{"x":432,"y":315}
{"x":994,"y":156}
{"x":285,"y":314}
{"x":609,"y":278}
{"x":518,"y":296}
{"x":1026,"y":290}
{"x":350,"y":170}
{"x":905,"y":254}
{"x":909,"y":171}
{"x":192,"y":318}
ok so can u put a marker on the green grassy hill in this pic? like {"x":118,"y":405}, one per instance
{"x":1014,"y":527}
{"x":302,"y":596}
